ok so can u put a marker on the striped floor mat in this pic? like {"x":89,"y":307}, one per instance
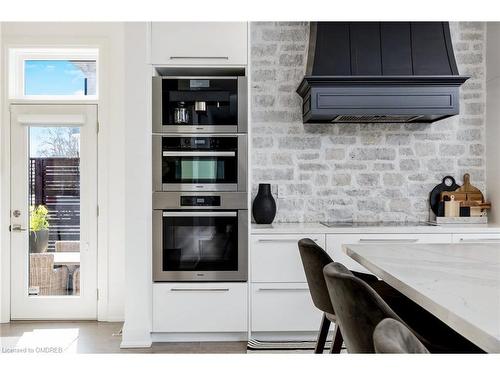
{"x":306,"y":347}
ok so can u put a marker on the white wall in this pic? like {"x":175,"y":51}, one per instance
{"x":493,"y":118}
{"x":138,"y":182}
{"x":4,"y":259}
{"x":113,"y":205}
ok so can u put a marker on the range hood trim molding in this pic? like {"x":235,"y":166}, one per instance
{"x":379,"y":81}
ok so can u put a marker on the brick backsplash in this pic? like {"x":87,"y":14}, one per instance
{"x":356,"y":171}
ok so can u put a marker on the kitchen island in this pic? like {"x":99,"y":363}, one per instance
{"x":458,"y":283}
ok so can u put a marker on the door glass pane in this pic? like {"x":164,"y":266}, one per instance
{"x":54,"y":201}
{"x":60,"y":77}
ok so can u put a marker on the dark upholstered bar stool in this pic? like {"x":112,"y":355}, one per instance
{"x":314,"y":259}
{"x":359,"y":308}
{"x":391,"y":336}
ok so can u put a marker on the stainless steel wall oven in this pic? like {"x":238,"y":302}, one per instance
{"x":200,"y":237}
{"x":200,"y":163}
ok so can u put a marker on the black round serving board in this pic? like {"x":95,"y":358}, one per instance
{"x":438,"y":189}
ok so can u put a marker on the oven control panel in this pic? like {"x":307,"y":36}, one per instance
{"x":196,"y":201}
{"x":194,"y":143}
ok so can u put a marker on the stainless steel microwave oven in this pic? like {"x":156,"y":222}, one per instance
{"x":200,"y":237}
{"x":216,"y":104}
{"x":200,"y":162}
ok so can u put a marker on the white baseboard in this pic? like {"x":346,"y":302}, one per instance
{"x":287,"y":336}
{"x":135,"y":344}
{"x":113,"y":319}
{"x":198,"y":336}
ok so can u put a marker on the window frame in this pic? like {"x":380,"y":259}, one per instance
{"x":16,"y":69}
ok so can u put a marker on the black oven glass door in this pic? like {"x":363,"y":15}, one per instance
{"x":200,"y":241}
{"x":200,"y":101}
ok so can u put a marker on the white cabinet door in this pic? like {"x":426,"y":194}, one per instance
{"x":283,"y":307}
{"x":200,"y":307}
{"x":276,"y":258}
{"x":334,"y":244}
{"x":476,"y":237}
{"x":199,"y":43}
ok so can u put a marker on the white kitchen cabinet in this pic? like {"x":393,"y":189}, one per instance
{"x":334,"y":244}
{"x":200,"y":307}
{"x":283,"y":307}
{"x":199,"y":43}
{"x":476,"y":237}
{"x":276,"y":258}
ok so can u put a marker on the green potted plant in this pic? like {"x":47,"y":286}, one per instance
{"x":39,"y":229}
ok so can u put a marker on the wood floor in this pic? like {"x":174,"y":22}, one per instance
{"x":92,"y":337}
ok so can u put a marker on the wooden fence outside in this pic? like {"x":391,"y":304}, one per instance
{"x":55,"y":183}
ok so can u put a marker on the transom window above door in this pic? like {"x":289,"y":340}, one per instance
{"x":53,"y":73}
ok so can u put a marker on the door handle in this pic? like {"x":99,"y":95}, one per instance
{"x":388,"y":240}
{"x":199,"y":289}
{"x":480,"y":240}
{"x":283,"y":289}
{"x":199,"y":153}
{"x":16,"y":228}
{"x":199,"y":214}
{"x":199,"y":57}
{"x":282,"y":240}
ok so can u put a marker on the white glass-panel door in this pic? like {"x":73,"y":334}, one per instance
{"x":53,"y":211}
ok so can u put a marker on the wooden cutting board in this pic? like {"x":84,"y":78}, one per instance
{"x":473,"y":193}
{"x":466,"y":192}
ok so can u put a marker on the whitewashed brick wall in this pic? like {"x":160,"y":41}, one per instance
{"x":357,"y":171}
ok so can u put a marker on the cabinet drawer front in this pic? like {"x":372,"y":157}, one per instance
{"x":335,"y":242}
{"x":477,"y":237}
{"x":199,"y":43}
{"x":276,"y":258}
{"x":200,"y":307}
{"x":283,"y":307}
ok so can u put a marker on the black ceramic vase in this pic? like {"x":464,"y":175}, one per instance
{"x":264,"y":205}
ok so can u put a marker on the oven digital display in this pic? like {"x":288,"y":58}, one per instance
{"x":194,"y":201}
{"x":199,"y":83}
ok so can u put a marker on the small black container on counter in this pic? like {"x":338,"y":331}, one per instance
{"x":264,"y":205}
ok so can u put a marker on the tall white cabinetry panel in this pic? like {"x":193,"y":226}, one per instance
{"x":199,"y":43}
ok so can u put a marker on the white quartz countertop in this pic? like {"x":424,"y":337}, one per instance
{"x":299,"y":228}
{"x":458,"y":283}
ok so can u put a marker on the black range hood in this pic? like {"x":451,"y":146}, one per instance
{"x":380,"y":72}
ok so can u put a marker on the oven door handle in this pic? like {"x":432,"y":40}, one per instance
{"x":199,"y":214}
{"x":199,"y":153}
{"x":199,"y":289}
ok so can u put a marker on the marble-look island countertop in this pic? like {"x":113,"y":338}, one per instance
{"x":458,"y":283}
